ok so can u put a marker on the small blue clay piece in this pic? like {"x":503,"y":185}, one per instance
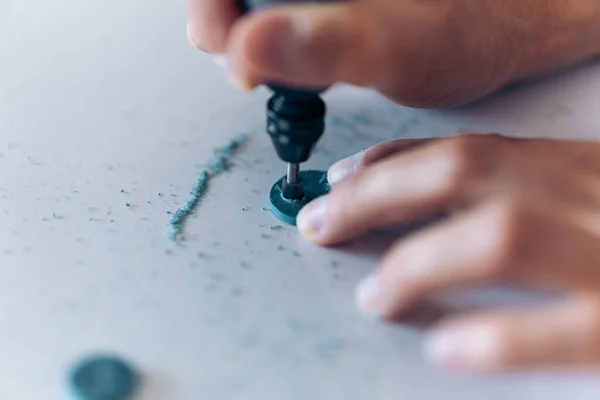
{"x":103,"y":378}
{"x":314,"y":184}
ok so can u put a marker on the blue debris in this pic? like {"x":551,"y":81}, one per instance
{"x":219,"y":164}
{"x":103,"y":378}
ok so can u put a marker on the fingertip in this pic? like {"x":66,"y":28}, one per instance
{"x":210,"y":23}
{"x":221,"y":61}
{"x":466,"y":346}
{"x":193,"y":41}
{"x":224,"y":65}
{"x":311,"y":219}
{"x":242,"y":83}
{"x":367,"y":294}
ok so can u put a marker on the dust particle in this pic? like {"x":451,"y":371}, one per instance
{"x":244,"y":265}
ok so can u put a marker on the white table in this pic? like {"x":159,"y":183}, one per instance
{"x":99,"y":97}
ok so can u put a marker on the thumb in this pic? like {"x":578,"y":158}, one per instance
{"x":308,"y":45}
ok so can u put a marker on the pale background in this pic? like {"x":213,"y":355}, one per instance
{"x":101,"y":96}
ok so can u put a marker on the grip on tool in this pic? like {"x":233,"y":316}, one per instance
{"x":295,"y":116}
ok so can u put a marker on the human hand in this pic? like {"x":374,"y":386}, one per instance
{"x":418,"y":53}
{"x":522,"y":211}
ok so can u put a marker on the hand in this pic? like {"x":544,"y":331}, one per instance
{"x":418,"y":53}
{"x":525,"y":212}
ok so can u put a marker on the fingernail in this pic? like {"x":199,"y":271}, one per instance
{"x":368,"y":294}
{"x":241,"y":83}
{"x":221,"y":61}
{"x":311,"y":219}
{"x":462,"y":347}
{"x":193,"y":41}
{"x":344,"y":168}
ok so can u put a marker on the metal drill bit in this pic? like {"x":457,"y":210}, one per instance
{"x":293,"y":173}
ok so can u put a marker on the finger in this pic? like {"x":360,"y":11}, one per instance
{"x":351,"y":165}
{"x":566,"y":171}
{"x":583,"y":154}
{"x":435,"y":176}
{"x":210,"y":22}
{"x":309,"y":45}
{"x":498,"y":241}
{"x":567,"y":335}
{"x":411,"y":185}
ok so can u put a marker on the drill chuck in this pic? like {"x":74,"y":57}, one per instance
{"x":295,"y":125}
{"x":295,"y":117}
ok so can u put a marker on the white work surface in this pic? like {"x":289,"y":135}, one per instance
{"x":102,"y":96}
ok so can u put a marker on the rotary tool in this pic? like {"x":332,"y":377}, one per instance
{"x":295,"y":123}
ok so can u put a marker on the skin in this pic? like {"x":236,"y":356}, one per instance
{"x":519,"y":211}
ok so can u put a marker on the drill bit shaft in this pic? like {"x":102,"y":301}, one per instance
{"x":293,"y":173}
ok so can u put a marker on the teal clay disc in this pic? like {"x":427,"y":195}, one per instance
{"x":314,"y":184}
{"x":103,"y":378}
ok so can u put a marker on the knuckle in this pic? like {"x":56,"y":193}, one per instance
{"x":372,"y":182}
{"x":381,"y":150}
{"x":501,"y":335}
{"x":400,"y":291}
{"x":351,"y":202}
{"x":499,"y":329}
{"x":507,"y":239}
{"x":470,"y":148}
{"x":593,"y":320}
{"x":472,"y":159}
{"x":342,"y":201}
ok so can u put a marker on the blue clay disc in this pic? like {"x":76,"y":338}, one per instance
{"x":314,"y":184}
{"x":103,"y":378}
